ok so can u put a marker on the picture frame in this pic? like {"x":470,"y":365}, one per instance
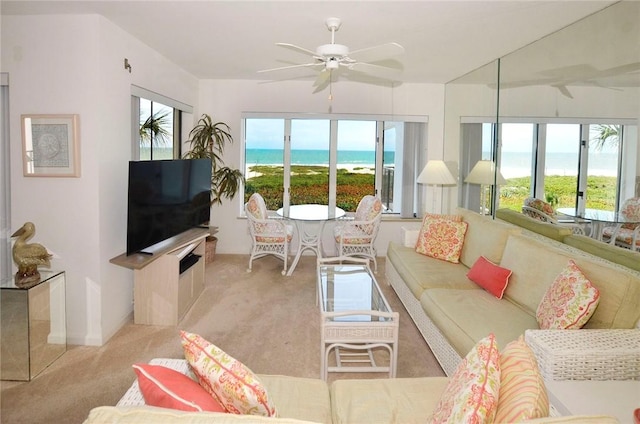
{"x":50,"y":146}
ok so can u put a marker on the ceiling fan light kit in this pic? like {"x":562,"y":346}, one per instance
{"x":331,"y":58}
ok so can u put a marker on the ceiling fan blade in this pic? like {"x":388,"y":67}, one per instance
{"x":376,"y":53}
{"x":297,"y":49}
{"x":323,"y":80}
{"x":385,"y":72}
{"x":304,"y":65}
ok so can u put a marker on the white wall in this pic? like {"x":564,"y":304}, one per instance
{"x":226,"y":100}
{"x":74,"y":64}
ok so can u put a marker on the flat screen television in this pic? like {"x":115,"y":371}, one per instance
{"x":166,"y":198}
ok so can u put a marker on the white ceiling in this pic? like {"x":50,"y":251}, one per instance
{"x":233,"y":39}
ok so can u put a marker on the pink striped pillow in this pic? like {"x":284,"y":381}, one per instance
{"x":523,"y":395}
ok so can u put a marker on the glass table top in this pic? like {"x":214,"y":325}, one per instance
{"x":350,"y":287}
{"x":599,"y":215}
{"x":311,"y":212}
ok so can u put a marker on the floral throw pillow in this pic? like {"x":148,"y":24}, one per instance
{"x":569,"y":302}
{"x":471,"y":396}
{"x":441,"y":239}
{"x":229,"y":381}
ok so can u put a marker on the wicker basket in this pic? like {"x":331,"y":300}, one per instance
{"x":586,"y":354}
{"x":210,"y":249}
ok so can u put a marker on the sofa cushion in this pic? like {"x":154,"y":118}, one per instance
{"x":569,"y":302}
{"x":151,"y":414}
{"x":399,"y":400}
{"x":523,"y":395}
{"x":471,"y":396}
{"x":491,"y":277}
{"x":167,"y":388}
{"x":534,"y":272}
{"x":299,"y":397}
{"x":466,"y":316}
{"x":485,"y":237}
{"x":624,"y":257}
{"x":420,"y":272}
{"x":228,"y":380}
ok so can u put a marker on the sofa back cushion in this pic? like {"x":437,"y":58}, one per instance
{"x":536,"y":264}
{"x":484,"y":237}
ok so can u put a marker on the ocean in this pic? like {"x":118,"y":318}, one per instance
{"x":314,"y":157}
{"x":515,"y":164}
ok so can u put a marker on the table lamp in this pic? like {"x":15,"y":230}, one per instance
{"x":435,"y":173}
{"x":484,"y":173}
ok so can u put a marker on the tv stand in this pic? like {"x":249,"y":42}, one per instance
{"x":167,"y":283}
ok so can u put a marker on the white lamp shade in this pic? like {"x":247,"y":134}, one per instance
{"x":436,"y":172}
{"x":483,"y":173}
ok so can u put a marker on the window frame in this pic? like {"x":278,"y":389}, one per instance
{"x":181,"y":111}
{"x":418,"y":154}
{"x":626,"y":167}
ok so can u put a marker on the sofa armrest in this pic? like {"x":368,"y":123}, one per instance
{"x":410,"y":237}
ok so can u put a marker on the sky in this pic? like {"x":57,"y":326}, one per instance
{"x":561,"y":138}
{"x":310,"y":134}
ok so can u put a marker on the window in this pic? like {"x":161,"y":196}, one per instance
{"x":156,"y":131}
{"x":157,"y":125}
{"x":335,"y":161}
{"x":569,"y":164}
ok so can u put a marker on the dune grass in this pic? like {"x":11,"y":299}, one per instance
{"x":309,"y":184}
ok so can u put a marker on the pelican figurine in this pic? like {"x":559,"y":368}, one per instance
{"x":28,"y":255}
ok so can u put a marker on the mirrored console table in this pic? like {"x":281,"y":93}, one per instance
{"x":33,"y":327}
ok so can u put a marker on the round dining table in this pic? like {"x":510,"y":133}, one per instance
{"x":599,"y":219}
{"x":309,"y":220}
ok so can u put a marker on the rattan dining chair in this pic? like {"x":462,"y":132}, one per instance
{"x":356,"y":235}
{"x":625,"y":235}
{"x":543,"y":211}
{"x":269,"y":235}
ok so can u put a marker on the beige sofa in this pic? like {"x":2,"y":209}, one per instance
{"x":307,"y":400}
{"x":453,"y":313}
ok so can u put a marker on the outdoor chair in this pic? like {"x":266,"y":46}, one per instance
{"x":625,"y":235}
{"x":355,"y":235}
{"x":269,"y":235}
{"x":543,"y":211}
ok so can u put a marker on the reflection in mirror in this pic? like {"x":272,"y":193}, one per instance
{"x":567,"y":114}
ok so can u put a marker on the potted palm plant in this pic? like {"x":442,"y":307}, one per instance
{"x":207,"y":141}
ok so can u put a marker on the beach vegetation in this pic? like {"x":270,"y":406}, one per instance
{"x":310,"y":185}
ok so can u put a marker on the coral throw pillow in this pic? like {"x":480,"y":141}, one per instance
{"x":441,"y":239}
{"x":569,"y":302}
{"x":523,"y":395}
{"x":167,"y":388}
{"x":237,"y":389}
{"x":489,"y":276}
{"x":471,"y":396}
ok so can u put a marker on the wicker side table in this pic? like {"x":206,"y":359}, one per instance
{"x":586,"y":354}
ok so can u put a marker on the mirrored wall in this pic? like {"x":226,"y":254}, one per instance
{"x":558,"y":117}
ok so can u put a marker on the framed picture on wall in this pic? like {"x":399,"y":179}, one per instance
{"x":50,"y":146}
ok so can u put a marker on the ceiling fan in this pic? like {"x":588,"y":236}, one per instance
{"x":370,"y":65}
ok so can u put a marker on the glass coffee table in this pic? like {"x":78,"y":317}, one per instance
{"x":355,"y":318}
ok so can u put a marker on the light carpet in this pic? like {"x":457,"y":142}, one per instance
{"x":268,"y":321}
